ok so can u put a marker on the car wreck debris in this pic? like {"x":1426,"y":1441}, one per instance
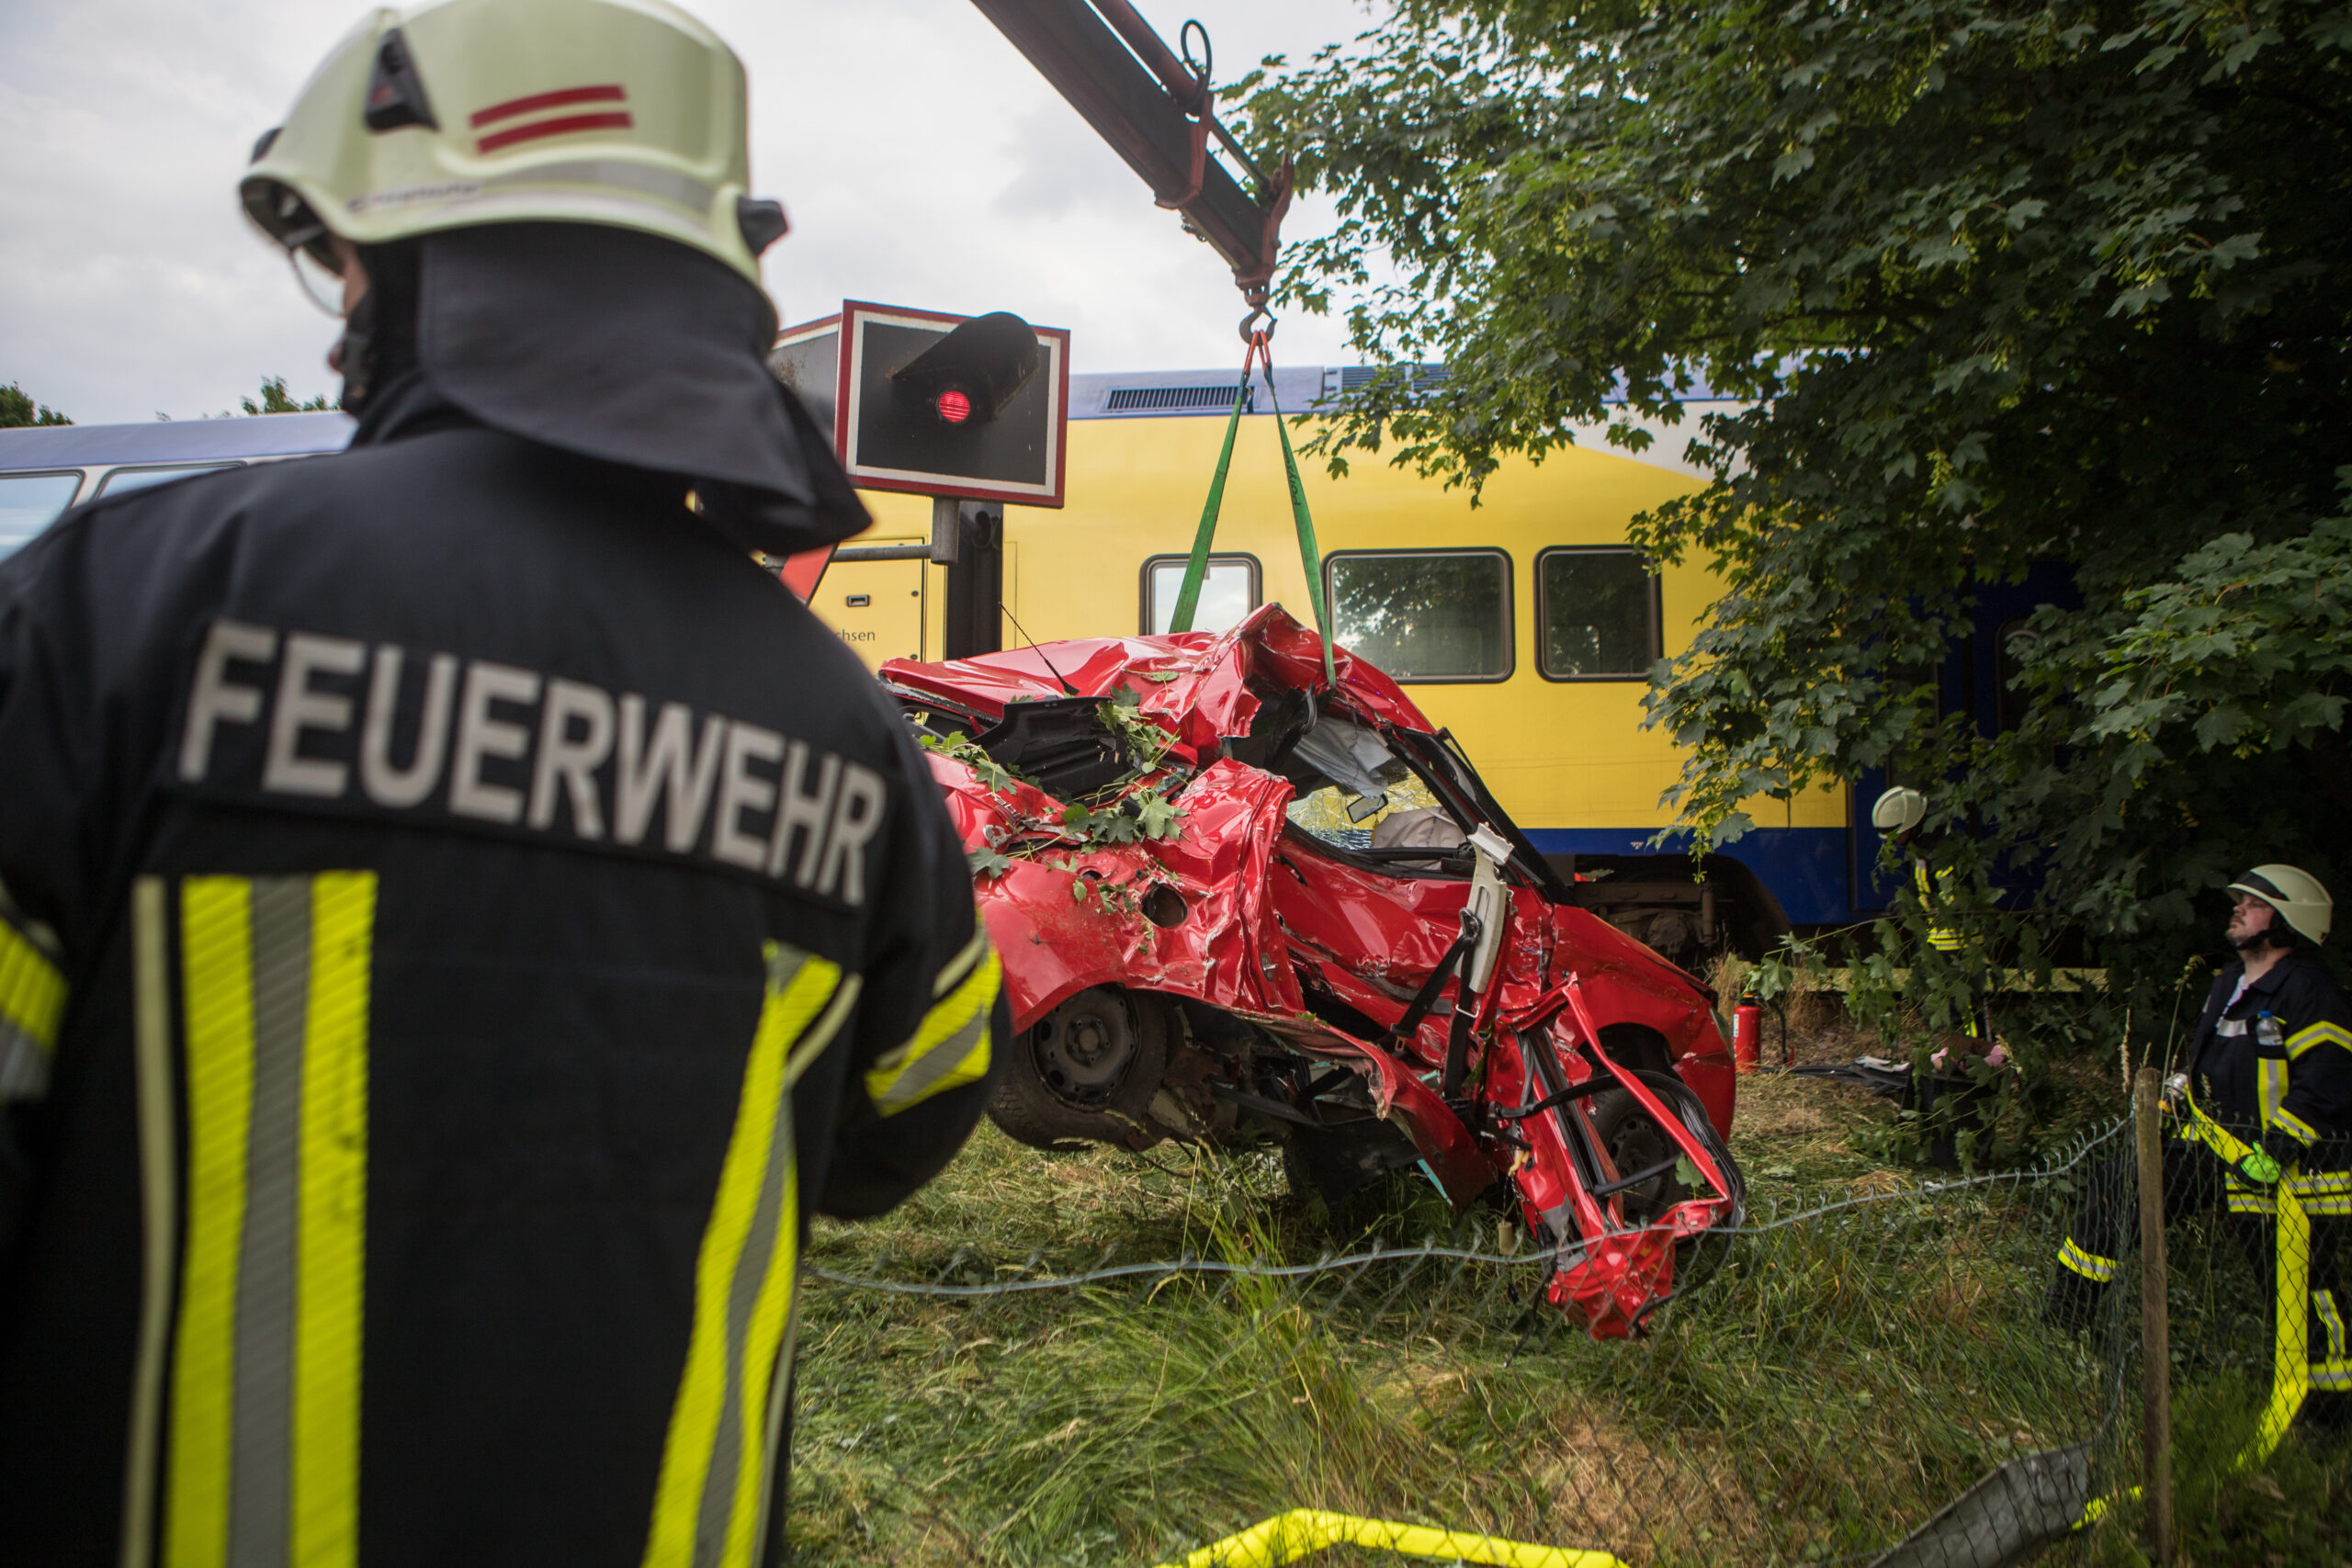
{"x":1239,"y":902}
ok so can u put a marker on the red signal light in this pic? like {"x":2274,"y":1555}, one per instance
{"x":953,"y":406}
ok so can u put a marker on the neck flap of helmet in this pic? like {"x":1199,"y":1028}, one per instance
{"x":615,"y":345}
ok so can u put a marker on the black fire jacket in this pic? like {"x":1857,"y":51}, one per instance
{"x":2305,"y":1086}
{"x":461,"y":918}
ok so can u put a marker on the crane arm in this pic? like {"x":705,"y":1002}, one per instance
{"x":1156,"y":113}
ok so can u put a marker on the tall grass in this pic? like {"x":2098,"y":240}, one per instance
{"x":1834,"y":1383}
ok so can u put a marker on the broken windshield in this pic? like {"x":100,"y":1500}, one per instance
{"x":1356,"y":794}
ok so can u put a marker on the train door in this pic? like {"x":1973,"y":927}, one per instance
{"x":880,"y":608}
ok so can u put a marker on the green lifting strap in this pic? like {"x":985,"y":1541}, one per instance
{"x":1187,"y":598}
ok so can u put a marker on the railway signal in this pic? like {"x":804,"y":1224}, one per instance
{"x":970,"y":410}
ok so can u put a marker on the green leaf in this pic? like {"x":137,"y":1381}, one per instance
{"x":1159,"y":817}
{"x":1974,"y":286}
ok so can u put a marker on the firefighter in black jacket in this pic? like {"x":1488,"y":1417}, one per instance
{"x":2265,"y":1106}
{"x":462,"y":916}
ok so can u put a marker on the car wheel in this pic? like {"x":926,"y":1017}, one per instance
{"x":1635,"y":1143}
{"x":1086,"y":1071}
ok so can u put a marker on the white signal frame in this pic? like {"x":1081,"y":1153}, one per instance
{"x":1052,"y":342}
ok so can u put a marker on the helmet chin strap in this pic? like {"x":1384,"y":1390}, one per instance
{"x":356,"y":356}
{"x":379,"y":332}
{"x":2254,"y":941}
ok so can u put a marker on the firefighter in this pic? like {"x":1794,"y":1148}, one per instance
{"x":2265,"y":1102}
{"x":1897,"y":814}
{"x":462,"y":916}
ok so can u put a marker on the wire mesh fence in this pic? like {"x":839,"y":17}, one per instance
{"x":1054,"y":1365}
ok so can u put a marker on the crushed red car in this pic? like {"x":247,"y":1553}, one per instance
{"x":1237,"y":900}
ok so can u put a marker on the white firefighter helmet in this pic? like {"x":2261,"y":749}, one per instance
{"x":2300,"y":901}
{"x":622,"y":112}
{"x":1899,"y":810}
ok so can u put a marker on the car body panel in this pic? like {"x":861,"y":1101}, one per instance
{"x":1322,"y":947}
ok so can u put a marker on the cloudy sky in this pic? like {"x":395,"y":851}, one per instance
{"x":922,"y":159}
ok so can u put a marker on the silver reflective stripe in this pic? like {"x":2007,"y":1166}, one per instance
{"x":750,"y":1276}
{"x":24,"y":1065}
{"x":262,"y":1463}
{"x":2272,"y":1078}
{"x":779,"y":1412}
{"x":938,"y":1062}
{"x":2230,"y":1028}
{"x":159,"y":1211}
{"x":2334,"y":1370}
{"x":662,"y":185}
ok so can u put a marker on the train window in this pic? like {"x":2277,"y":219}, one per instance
{"x":1228,"y":593}
{"x":1599,"y":609}
{"x":30,"y":503}
{"x":123,"y":479}
{"x":1424,"y":614}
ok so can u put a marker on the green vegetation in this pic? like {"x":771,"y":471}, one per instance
{"x":274,"y":399}
{"x":1836,"y":1381}
{"x":2032,"y":292}
{"x":18,"y":409}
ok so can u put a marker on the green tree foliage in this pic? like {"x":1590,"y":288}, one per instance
{"x":275,"y":400}
{"x":2002,"y":285}
{"x":16,"y":410}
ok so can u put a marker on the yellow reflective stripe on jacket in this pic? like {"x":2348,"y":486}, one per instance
{"x":265,"y":1379}
{"x":716,"y":1458}
{"x":2332,"y":1370}
{"x":2321,"y":1033}
{"x":958,"y":969}
{"x":2328,"y":1193}
{"x":2089,"y":1265}
{"x":951,"y":1046}
{"x":2302,"y":1128}
{"x":1943,"y":938}
{"x":32,"y":1005}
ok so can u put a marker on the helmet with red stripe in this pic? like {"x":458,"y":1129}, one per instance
{"x":627,"y":113}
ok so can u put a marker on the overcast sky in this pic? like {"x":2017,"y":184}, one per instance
{"x":923,"y":161}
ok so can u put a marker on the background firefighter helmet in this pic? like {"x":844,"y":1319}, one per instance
{"x":1899,"y":810}
{"x":506,"y":111}
{"x":2300,"y":901}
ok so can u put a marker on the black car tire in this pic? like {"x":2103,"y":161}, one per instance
{"x":1636,"y":1142}
{"x":1084,"y":1073}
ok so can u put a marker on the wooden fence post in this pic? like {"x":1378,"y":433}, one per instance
{"x":2156,"y":1332}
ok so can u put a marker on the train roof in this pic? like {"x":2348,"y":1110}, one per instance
{"x":1135,"y":394}
{"x":173,"y":441}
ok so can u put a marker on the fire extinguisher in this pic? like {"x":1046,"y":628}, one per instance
{"x":1747,"y":1033}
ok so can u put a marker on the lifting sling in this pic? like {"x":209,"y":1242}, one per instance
{"x":1195,"y":569}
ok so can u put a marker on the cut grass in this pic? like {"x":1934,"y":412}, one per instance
{"x":1837,"y":1381}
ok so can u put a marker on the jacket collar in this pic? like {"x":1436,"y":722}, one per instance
{"x":2272,"y":977}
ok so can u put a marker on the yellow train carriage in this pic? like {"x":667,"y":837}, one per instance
{"x":1526,"y":625}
